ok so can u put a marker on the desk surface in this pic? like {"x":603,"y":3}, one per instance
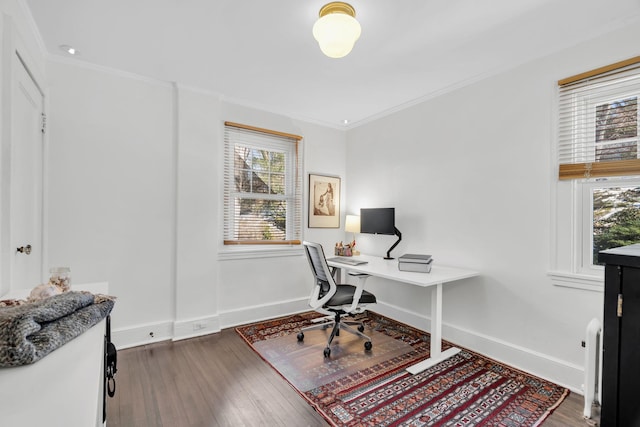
{"x":388,"y":269}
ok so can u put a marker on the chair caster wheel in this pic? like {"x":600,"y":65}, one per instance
{"x":361,"y":328}
{"x":327,"y":352}
{"x":300,"y":336}
{"x":368,"y":345}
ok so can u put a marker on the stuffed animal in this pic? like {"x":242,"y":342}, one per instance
{"x":43,"y":291}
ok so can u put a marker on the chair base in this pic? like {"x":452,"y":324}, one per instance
{"x":337,"y":325}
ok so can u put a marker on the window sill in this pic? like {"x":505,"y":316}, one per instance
{"x":245,"y":252}
{"x":577,"y":281}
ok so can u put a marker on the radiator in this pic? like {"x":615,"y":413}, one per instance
{"x":592,"y":366}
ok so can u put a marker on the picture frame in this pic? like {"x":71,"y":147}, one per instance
{"x":324,"y":201}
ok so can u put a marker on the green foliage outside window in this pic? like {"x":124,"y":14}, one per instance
{"x":616,"y":218}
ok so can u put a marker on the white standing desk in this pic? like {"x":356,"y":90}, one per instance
{"x":439,"y":275}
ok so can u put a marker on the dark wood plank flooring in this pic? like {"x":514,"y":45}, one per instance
{"x":218,"y":380}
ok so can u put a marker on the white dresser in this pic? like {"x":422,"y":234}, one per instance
{"x":64,"y":388}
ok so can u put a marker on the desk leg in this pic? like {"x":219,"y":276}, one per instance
{"x":437,"y":355}
{"x":436,"y":321}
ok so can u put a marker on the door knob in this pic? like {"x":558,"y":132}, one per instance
{"x":24,"y":249}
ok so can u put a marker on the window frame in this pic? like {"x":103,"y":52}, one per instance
{"x":616,"y":82}
{"x":273,"y":141}
{"x":609,"y":100}
{"x":592,"y":103}
{"x":574,"y":183}
{"x":585,"y":235}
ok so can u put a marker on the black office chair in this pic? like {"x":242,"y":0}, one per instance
{"x":335,"y":300}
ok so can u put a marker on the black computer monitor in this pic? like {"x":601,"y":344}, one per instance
{"x":380,"y":221}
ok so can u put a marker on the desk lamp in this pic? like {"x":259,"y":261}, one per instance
{"x":352,"y":225}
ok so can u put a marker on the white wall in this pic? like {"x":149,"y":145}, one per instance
{"x":135,"y":199}
{"x":111,"y":187}
{"x":196,"y":151}
{"x":470,"y":174}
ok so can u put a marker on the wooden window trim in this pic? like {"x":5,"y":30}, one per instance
{"x":598,"y":71}
{"x":599,"y":169}
{"x":262,"y":242}
{"x":262,"y":130}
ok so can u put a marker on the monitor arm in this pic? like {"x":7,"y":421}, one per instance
{"x":399,"y":234}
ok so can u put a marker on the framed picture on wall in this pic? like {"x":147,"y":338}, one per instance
{"x":324,"y":201}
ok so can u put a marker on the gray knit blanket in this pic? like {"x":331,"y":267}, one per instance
{"x":31,"y":331}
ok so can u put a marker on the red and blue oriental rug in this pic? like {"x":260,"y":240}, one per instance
{"x":358,"y":388}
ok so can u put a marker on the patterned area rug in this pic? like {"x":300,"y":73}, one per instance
{"x":358,"y":388}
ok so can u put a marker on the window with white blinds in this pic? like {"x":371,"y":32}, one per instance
{"x":598,"y":122}
{"x":262,"y":186}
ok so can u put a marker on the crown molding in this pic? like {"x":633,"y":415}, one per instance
{"x":107,"y":70}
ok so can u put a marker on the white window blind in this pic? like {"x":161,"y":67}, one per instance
{"x":598,"y":122}
{"x":262,"y":186}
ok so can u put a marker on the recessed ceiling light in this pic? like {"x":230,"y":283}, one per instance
{"x":345,"y":122}
{"x":69,"y":49}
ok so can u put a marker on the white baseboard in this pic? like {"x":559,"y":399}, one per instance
{"x":231,"y":318}
{"x":539,"y":364}
{"x":162,"y":331}
{"x":183,"y":329}
{"x":542,"y":365}
{"x":142,"y":334}
{"x":197,"y":327}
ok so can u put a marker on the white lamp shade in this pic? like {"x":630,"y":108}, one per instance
{"x":336,"y":34}
{"x":352,"y":224}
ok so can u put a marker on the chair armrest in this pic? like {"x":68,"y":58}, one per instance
{"x":316,"y":303}
{"x":362,"y":277}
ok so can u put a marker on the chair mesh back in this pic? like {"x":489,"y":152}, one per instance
{"x":315,"y":254}
{"x":317,"y":259}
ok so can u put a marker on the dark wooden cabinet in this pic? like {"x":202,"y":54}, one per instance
{"x":621,"y":337}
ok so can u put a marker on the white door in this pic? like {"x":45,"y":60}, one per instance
{"x":26,"y":178}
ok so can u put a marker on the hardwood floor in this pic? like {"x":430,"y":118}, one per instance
{"x":218,"y":380}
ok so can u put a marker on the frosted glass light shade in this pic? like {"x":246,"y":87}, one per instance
{"x":352,"y":224}
{"x":337,"y":29}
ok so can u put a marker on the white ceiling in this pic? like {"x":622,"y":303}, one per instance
{"x":262,"y":53}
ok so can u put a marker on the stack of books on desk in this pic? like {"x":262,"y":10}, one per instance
{"x":415,"y":262}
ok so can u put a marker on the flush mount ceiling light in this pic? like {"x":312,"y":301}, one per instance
{"x":337,"y":29}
